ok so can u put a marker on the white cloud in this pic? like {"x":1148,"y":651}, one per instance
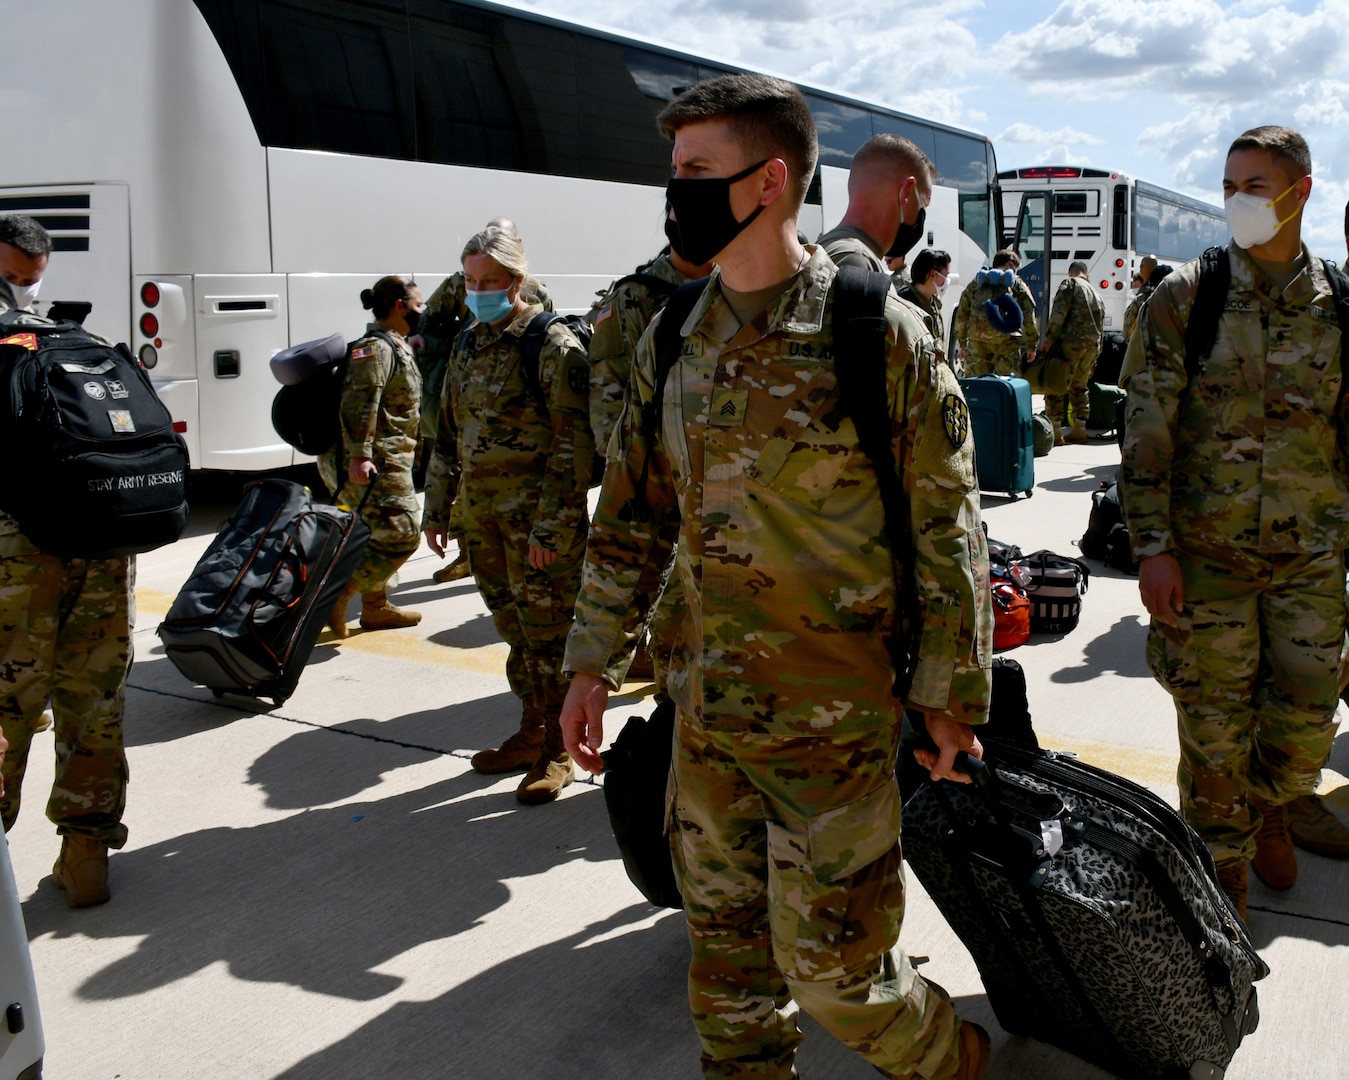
{"x":1022,"y":132}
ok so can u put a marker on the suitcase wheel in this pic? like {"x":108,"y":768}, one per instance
{"x":217,"y":693}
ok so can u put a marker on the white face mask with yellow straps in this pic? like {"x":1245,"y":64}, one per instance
{"x":1254,"y":221}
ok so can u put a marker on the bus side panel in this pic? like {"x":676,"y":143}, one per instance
{"x":359,"y":215}
{"x":242,"y":321}
{"x":91,"y":260}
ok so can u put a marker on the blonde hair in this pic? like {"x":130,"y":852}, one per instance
{"x":505,"y":247}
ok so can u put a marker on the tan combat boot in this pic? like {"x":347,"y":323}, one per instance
{"x":517,"y":753}
{"x":453,"y":571}
{"x":1315,"y":828}
{"x":1078,"y":433}
{"x":82,"y":871}
{"x":337,"y":618}
{"x":1058,"y":433}
{"x":378,"y":614}
{"x":1232,"y":881}
{"x":551,"y":772}
{"x":1275,"y":861}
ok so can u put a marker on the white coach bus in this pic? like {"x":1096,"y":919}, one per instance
{"x":222,"y":177}
{"x":1103,"y":218}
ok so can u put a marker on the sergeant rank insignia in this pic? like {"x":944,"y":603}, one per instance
{"x":955,"y":417}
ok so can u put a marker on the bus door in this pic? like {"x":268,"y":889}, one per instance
{"x":1032,"y":239}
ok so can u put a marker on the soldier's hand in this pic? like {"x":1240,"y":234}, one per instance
{"x":435,"y":540}
{"x":582,"y":720}
{"x":540,"y":557}
{"x":1162,"y":587}
{"x":951,"y":737}
{"x":361,"y":471}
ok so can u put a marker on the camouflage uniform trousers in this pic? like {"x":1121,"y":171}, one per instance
{"x":1075,"y":405}
{"x":531,"y":608}
{"x":788,"y":856}
{"x":394,"y":521}
{"x":65,"y":636}
{"x":1255,"y":676}
{"x":982,"y":358}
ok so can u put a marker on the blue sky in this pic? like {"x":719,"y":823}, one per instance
{"x":1154,"y":88}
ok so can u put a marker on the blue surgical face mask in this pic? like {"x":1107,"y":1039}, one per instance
{"x":489,"y":306}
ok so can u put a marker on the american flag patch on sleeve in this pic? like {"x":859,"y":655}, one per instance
{"x":363,"y":351}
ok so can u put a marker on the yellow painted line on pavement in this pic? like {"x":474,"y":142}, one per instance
{"x":152,"y":605}
{"x":1151,"y":768}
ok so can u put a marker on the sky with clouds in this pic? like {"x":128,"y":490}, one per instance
{"x":1153,"y":88}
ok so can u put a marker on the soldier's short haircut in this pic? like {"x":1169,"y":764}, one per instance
{"x":1006,"y":257}
{"x":505,"y":247}
{"x":1283,"y":142}
{"x":926,"y":261}
{"x":387,"y":292}
{"x":768,"y":117}
{"x":22,"y":232}
{"x":1077,"y":266}
{"x":896,"y":152}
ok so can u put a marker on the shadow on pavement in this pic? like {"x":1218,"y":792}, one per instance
{"x":1118,"y":650}
{"x":322,"y":898}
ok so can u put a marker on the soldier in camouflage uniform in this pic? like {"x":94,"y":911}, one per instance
{"x":988,"y":350}
{"x":65,"y":637}
{"x":889,"y":179}
{"x":1131,"y":313}
{"x":784,"y":801}
{"x":1235,"y":485}
{"x":930,"y":273}
{"x":520,"y":468}
{"x":619,"y":318}
{"x":1076,"y":324}
{"x":381,"y":423}
{"x":446,"y":315}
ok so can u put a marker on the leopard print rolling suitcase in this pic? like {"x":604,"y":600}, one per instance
{"x":1092,"y":911}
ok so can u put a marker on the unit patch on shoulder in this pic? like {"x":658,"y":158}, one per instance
{"x":26,"y":340}
{"x":362,"y":352}
{"x":578,"y":378}
{"x":955,"y":417}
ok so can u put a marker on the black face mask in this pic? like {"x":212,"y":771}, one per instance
{"x":414,"y":321}
{"x":703,"y":224}
{"x":907,"y":236}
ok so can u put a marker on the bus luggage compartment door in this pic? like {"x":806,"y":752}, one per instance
{"x":241,"y":321}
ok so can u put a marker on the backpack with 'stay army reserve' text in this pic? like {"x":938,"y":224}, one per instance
{"x":100,"y":473}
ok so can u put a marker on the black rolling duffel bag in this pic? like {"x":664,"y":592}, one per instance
{"x":1092,"y":911}
{"x":248,"y":617}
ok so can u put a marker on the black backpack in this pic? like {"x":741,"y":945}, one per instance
{"x":100,"y":473}
{"x":1107,"y":537}
{"x":308,"y":414}
{"x":859,"y":334}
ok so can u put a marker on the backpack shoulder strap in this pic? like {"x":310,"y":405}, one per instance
{"x":667,"y":341}
{"x":658,"y":285}
{"x":860,"y":359}
{"x":1201,"y":330}
{"x":1339,"y":293}
{"x":531,"y":345}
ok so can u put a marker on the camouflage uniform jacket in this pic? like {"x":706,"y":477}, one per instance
{"x":514,"y":455}
{"x":931,"y":310}
{"x":788,"y":582}
{"x":619,"y":319}
{"x":1251,"y":453}
{"x":848,"y":246}
{"x":1076,"y":319}
{"x":971,"y":324}
{"x":381,"y":413}
{"x":1135,"y":308}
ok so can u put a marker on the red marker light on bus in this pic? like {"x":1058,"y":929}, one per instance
{"x":1105,"y":284}
{"x":180,"y":426}
{"x":149,"y":294}
{"x":149,"y":325}
{"x":1119,"y":262}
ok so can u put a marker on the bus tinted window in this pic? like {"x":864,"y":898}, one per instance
{"x":841,"y":129}
{"x":1077,"y":202}
{"x":962,"y":161}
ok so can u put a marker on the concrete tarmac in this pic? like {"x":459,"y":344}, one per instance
{"x":324,"y":890}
